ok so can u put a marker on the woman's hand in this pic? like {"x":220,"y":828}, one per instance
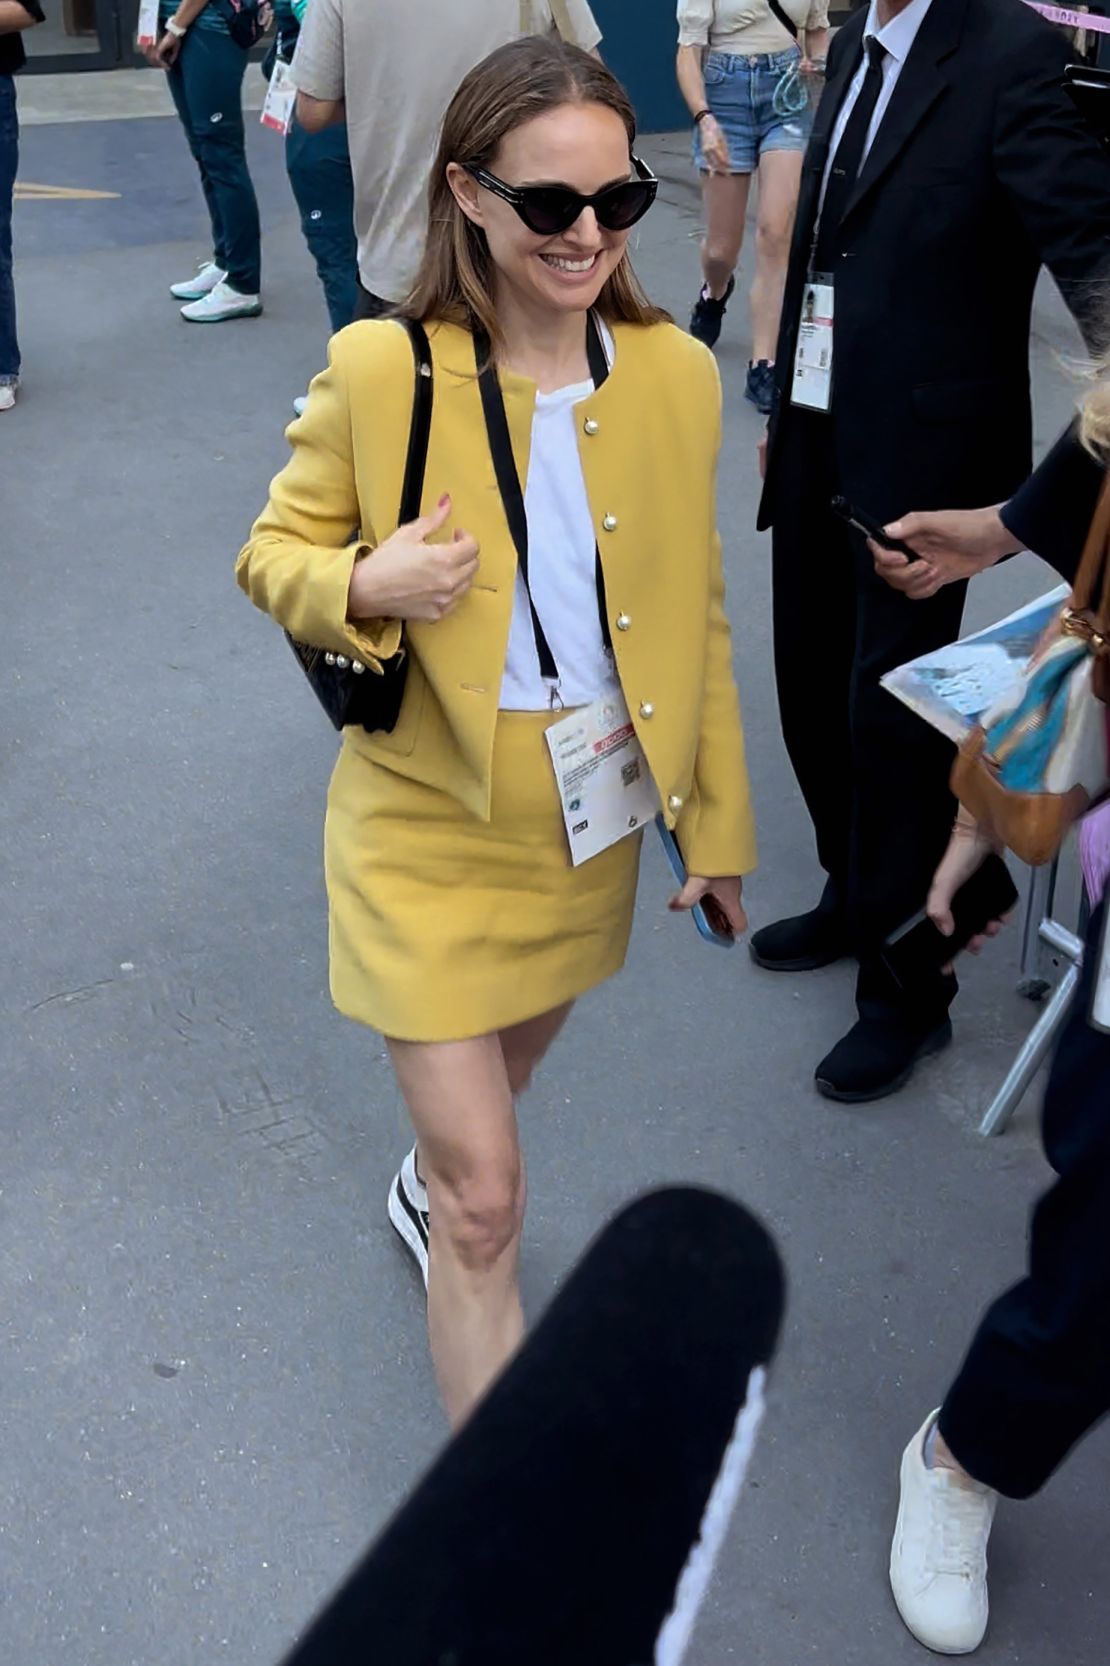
{"x":164,"y":55}
{"x":967,"y":850}
{"x":714,"y":145}
{"x":409,"y":577}
{"x":952,"y":544}
{"x":726,"y":893}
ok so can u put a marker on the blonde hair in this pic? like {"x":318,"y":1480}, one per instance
{"x":1094,"y":415}
{"x":512,"y":86}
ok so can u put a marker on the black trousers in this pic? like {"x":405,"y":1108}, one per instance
{"x":874,"y":776}
{"x":1037,"y":1375}
{"x":369,"y":305}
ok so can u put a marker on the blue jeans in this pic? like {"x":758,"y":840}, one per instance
{"x":207,"y":87}
{"x":319,"y":168}
{"x":9,"y":162}
{"x":741,"y":94}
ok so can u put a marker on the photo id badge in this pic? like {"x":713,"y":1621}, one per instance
{"x":280,"y":100}
{"x":147,"y":34}
{"x":813,"y":356}
{"x":605,"y":785}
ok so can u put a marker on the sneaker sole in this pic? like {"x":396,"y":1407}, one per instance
{"x":929,"y":1049}
{"x":407,"y":1227}
{"x":226,"y":317}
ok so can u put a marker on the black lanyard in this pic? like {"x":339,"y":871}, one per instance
{"x":508,"y":482}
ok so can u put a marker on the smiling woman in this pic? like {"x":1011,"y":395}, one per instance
{"x":568,"y":668}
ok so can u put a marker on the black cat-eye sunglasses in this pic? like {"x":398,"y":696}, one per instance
{"x":550,"y":209}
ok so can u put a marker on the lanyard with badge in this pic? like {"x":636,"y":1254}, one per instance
{"x":811,"y":385}
{"x":605,"y":785}
{"x":813,"y":356}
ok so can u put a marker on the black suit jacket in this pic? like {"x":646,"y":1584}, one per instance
{"x":980,"y":172}
{"x":1052,"y":511}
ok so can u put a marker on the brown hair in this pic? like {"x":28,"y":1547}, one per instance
{"x":512,"y":86}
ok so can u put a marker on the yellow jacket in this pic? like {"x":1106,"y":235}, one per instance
{"x":649,"y":442}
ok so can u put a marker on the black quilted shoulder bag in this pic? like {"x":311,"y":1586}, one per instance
{"x":348,"y":692}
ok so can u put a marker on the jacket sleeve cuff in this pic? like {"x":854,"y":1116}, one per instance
{"x":717,"y":843}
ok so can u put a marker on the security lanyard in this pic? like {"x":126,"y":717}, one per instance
{"x":508,"y":481}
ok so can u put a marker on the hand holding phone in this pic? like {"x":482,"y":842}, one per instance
{"x":919,"y":949}
{"x":709,"y":917}
{"x":871,"y":528}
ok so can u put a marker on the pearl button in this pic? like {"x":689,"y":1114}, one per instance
{"x":610,"y":523}
{"x":357,"y":667}
{"x":647,"y":709}
{"x":342,"y":662}
{"x":591,"y":425}
{"x":329,"y":659}
{"x":674,"y":803}
{"x":624,"y":622}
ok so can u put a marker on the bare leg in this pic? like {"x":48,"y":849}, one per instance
{"x":780,"y":175}
{"x":460,"y":1098}
{"x":524,"y":1045}
{"x":726,"y":205}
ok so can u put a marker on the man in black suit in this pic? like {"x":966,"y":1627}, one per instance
{"x":947,"y":165}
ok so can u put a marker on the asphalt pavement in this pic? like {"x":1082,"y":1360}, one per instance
{"x":216,"y":1384}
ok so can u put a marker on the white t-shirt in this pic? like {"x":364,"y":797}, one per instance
{"x":398,"y":66}
{"x":562,"y":566}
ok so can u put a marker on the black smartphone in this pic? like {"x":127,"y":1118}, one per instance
{"x":917,"y":951}
{"x":870,"y":528}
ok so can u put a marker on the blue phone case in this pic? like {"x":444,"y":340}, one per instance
{"x":678,"y":868}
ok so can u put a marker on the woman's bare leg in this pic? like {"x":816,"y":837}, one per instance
{"x":524,"y":1045}
{"x":460,"y":1098}
{"x":780,"y":175}
{"x":726,"y":205}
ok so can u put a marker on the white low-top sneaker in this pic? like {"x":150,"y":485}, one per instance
{"x":408,"y":1213}
{"x":938,"y":1561}
{"x":220,"y":303}
{"x":208,"y":275}
{"x":7,"y":396}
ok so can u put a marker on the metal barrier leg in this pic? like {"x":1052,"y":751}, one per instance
{"x":1035,"y":984}
{"x":1037,"y":1044}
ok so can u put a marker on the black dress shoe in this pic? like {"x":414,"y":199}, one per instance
{"x":877,"y":1057}
{"x":802,"y":944}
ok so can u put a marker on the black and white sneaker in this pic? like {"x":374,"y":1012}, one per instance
{"x":708,"y":315}
{"x":408,"y":1212}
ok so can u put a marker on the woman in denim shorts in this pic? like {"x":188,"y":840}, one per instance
{"x":744,"y":76}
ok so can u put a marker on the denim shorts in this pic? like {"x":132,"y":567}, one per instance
{"x":740,"y":92}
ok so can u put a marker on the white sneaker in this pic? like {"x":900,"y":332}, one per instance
{"x":299,"y":403}
{"x":7,"y":395}
{"x":938,"y":1561}
{"x":220,"y":303}
{"x":194,"y":289}
{"x":408,"y":1213}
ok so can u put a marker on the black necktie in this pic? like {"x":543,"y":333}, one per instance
{"x":848,"y":158}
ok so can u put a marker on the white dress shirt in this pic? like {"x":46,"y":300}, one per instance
{"x":897,"y":37}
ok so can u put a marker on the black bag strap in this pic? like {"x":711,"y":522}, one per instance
{"x":512,"y":497}
{"x":420,"y":428}
{"x":784,"y":18}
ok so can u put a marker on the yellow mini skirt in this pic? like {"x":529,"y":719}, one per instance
{"x":442,"y":926}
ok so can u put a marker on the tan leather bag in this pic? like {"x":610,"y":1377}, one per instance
{"x":1038,"y":761}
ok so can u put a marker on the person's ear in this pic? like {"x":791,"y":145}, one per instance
{"x":464,"y":189}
